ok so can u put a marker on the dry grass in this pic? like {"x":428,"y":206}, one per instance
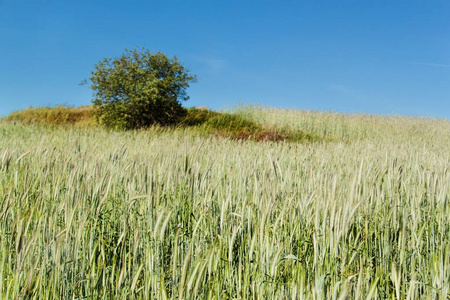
{"x":55,"y":116}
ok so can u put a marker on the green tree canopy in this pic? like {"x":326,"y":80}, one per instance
{"x":139,"y":89}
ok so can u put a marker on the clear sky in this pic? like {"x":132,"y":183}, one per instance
{"x":370,"y":56}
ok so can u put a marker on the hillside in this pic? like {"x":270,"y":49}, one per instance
{"x":358,"y":209}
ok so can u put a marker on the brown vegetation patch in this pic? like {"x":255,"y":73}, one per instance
{"x":58,"y":115}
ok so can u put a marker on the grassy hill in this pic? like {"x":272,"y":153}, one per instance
{"x":356,"y":207}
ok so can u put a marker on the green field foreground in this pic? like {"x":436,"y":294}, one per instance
{"x":172,"y":214}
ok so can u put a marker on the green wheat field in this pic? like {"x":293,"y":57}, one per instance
{"x":362,"y":213}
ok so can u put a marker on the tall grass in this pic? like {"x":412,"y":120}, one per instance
{"x":170,"y":213}
{"x":201,"y":120}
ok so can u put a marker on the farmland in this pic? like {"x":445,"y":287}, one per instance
{"x":174,"y":213}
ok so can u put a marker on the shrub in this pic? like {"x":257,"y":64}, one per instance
{"x":236,"y":126}
{"x":198,"y":116}
{"x":139,"y":89}
{"x":233,"y":124}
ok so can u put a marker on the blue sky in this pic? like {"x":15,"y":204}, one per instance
{"x":370,"y":56}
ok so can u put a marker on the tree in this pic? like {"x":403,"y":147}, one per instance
{"x":139,"y":89}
